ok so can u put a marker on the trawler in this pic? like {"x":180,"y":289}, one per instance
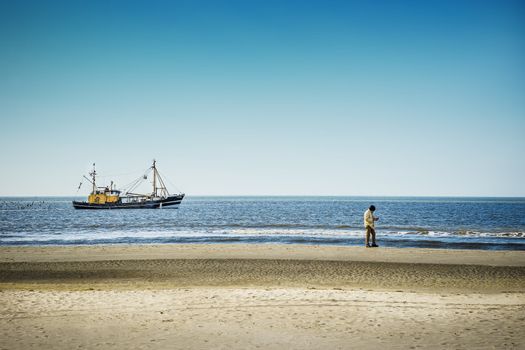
{"x":109,"y":197}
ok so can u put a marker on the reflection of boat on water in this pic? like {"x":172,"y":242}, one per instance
{"x":110,"y":198}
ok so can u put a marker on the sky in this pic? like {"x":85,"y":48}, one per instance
{"x":373,"y":98}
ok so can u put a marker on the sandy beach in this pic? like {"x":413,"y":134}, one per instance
{"x":259,"y":296}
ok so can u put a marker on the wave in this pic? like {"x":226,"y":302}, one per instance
{"x":283,"y":225}
{"x":94,"y":232}
{"x":462,"y":233}
{"x":337,"y":241}
{"x":300,"y":236}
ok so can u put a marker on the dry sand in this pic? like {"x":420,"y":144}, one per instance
{"x":259,"y":296}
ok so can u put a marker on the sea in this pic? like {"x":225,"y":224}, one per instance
{"x":415,"y":222}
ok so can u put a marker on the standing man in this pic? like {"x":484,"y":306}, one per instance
{"x":370,"y":220}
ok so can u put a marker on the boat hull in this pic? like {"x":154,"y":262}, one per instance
{"x":172,"y":201}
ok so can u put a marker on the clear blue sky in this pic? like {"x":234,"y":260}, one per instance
{"x":265,"y":97}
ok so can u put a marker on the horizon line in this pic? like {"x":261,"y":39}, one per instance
{"x":294,"y":195}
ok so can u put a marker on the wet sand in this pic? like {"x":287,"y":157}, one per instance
{"x":259,"y":296}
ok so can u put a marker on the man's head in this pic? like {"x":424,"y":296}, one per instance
{"x":372,"y":208}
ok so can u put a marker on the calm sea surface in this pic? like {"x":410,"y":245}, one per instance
{"x":466,"y":223}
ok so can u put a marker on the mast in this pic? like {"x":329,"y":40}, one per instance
{"x":157,"y":179}
{"x":93,"y":175}
{"x":154,"y":178}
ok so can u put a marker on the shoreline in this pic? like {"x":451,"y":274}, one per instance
{"x":50,"y":253}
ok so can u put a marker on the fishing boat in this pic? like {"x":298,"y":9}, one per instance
{"x":108,"y":197}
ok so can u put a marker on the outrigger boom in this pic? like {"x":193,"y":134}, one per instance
{"x":110,"y":198}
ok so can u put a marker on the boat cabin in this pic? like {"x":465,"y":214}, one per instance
{"x":103,"y":195}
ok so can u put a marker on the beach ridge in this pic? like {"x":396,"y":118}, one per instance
{"x":262,"y":265}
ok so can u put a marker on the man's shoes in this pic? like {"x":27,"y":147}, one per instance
{"x":374,"y":245}
{"x":368,"y":246}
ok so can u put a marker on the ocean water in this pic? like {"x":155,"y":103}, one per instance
{"x":456,"y":223}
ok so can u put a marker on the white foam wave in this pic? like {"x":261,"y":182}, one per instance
{"x":153,"y":235}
